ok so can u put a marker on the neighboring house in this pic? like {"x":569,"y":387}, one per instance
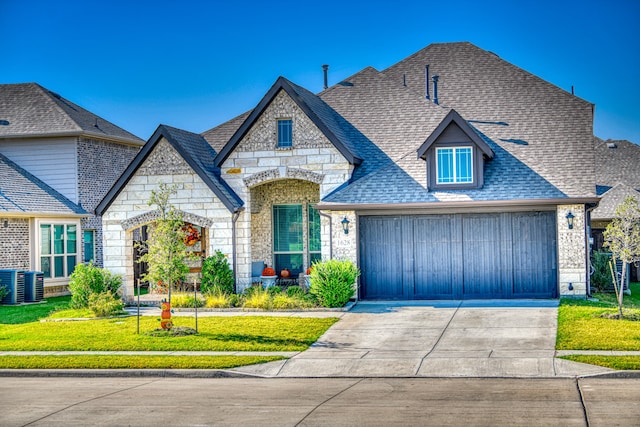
{"x":463,"y":190}
{"x":73,"y":157}
{"x":617,"y":177}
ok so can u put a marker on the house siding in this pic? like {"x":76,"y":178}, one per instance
{"x":100,"y":164}
{"x":130,"y":209}
{"x":53,"y":160}
{"x":14,"y":244}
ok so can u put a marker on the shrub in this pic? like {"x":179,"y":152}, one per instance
{"x":3,"y":292}
{"x":283,"y":302}
{"x":601,"y":277}
{"x":274,"y":290}
{"x":216,"y":275}
{"x":333,"y":282}
{"x":295,"y":291}
{"x":105,"y":304}
{"x":257,"y":298}
{"x":185,"y":301}
{"x":89,"y":279}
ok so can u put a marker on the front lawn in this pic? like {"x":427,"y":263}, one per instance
{"x":14,"y":314}
{"x":131,"y":362}
{"x":580,"y":326}
{"x":242,"y":333}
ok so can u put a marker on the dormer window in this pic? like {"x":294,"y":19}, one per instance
{"x":285,"y":133}
{"x":454,"y":165}
{"x":455,"y":154}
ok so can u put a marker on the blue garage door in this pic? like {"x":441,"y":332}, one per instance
{"x":461,"y":256}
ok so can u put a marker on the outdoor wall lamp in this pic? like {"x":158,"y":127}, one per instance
{"x":570,"y":217}
{"x":345,"y":225}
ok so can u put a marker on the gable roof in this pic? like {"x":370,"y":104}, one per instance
{"x":610,"y":201}
{"x":321,"y":114}
{"x":22,"y":193}
{"x":198,"y":154}
{"x":30,"y":110}
{"x":454,"y":117}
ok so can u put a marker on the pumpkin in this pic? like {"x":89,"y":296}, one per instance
{"x":285,"y":273}
{"x":308,"y":271}
{"x":268,"y":271}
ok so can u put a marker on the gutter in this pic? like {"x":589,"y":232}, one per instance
{"x":128,"y":141}
{"x":463,"y":205}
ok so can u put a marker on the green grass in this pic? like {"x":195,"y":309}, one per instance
{"x":131,"y":362}
{"x":15,"y":314}
{"x":612,"y":362}
{"x":241,"y":333}
{"x":580,"y":326}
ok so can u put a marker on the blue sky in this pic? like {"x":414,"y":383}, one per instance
{"x":196,"y":64}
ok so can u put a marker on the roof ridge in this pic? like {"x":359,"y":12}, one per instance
{"x":49,"y":96}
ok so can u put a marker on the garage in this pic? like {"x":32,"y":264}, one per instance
{"x":459,"y":256}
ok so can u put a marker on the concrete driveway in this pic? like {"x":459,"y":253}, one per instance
{"x":435,"y":339}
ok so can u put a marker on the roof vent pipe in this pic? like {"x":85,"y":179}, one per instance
{"x":404,"y":80}
{"x":325,"y":69}
{"x":426,"y":80}
{"x":435,"y":89}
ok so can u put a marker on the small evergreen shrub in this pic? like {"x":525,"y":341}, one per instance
{"x":274,"y":290}
{"x":601,"y":278}
{"x":3,"y":292}
{"x":333,"y":282}
{"x":295,"y":291}
{"x":105,"y":304}
{"x":89,"y":279}
{"x":216,"y":275}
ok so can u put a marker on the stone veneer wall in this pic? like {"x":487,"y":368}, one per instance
{"x":14,"y":244}
{"x":263,"y":198}
{"x":130,"y":210}
{"x":256,"y":160}
{"x":100,"y":164}
{"x":572,"y":267}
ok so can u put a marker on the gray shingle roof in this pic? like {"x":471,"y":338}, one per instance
{"x":618,"y":164}
{"x":23,"y":193}
{"x":195,"y":150}
{"x":611,"y":199}
{"x":28,"y":109}
{"x":545,"y":127}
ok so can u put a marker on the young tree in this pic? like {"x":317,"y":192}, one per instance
{"x":622,"y":237}
{"x":167,"y":251}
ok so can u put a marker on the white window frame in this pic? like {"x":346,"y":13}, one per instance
{"x":456,"y":178}
{"x":38,"y":244}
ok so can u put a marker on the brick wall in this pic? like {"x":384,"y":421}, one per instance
{"x":14,"y":243}
{"x":100,"y":164}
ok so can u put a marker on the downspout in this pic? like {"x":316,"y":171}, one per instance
{"x":234,"y":219}
{"x":587,"y":222}
{"x":330,"y":233}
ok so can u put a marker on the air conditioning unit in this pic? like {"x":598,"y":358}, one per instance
{"x":13,"y":280}
{"x":33,"y":286}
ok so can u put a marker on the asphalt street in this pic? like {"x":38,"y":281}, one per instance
{"x":148,"y":401}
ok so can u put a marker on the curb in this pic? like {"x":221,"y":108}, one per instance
{"x":124,"y":373}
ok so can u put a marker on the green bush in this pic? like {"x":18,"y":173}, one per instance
{"x":3,"y":292}
{"x":295,"y":291}
{"x":256,"y":297}
{"x":105,"y":304}
{"x":216,"y":275}
{"x":89,"y":279}
{"x":283,"y":302}
{"x":333,"y":282}
{"x":274,"y":290}
{"x":601,"y":277}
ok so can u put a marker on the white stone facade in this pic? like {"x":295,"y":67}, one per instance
{"x":130,"y":210}
{"x":572,"y":267}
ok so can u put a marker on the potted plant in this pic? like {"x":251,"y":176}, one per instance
{"x":268,"y":277}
